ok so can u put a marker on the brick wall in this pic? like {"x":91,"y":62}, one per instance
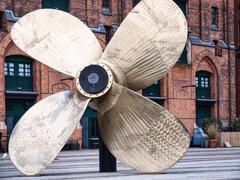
{"x":180,"y":100}
{"x":200,"y":26}
{"x":237,"y":42}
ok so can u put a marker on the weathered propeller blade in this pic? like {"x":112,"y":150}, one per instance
{"x":44,"y":129}
{"x":148,"y":42}
{"x":56,"y":39}
{"x":137,"y":131}
{"x":141,"y":133}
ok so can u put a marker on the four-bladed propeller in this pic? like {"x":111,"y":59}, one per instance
{"x":139,"y":132}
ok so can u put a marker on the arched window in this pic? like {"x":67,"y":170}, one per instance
{"x":56,"y":4}
{"x":203,"y":86}
{"x":18,"y":73}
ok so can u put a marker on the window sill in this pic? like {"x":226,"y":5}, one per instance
{"x":206,"y":101}
{"x":158,"y":100}
{"x":106,"y":11}
{"x":214,"y":27}
{"x":182,"y":63}
{"x":156,"y":97}
{"x":21,"y":94}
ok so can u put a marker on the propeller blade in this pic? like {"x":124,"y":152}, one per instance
{"x":57,"y":39}
{"x":139,"y":132}
{"x":148,"y":42}
{"x":44,"y":129}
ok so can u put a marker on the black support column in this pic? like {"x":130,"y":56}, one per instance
{"x":107,"y":162}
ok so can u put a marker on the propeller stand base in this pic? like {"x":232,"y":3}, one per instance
{"x":107,"y":162}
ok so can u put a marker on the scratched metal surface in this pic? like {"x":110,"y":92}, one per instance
{"x":148,"y":42}
{"x":140,"y":133}
{"x":43,"y":130}
{"x":57,"y":39}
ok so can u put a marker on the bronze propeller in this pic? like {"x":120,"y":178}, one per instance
{"x":139,"y":132}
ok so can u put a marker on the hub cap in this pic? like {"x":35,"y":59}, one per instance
{"x":94,"y":80}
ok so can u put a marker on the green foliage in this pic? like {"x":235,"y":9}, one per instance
{"x":212,"y":131}
{"x":236,"y":124}
{"x":210,"y":126}
{"x":207,"y":122}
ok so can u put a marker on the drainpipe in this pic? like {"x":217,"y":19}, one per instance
{"x":229,"y":66}
{"x":218,"y":79}
{"x":13,"y":6}
{"x":237,"y":6}
{"x":224,"y":19}
{"x":218,"y":97}
{"x":122,"y":9}
{"x":86,"y":12}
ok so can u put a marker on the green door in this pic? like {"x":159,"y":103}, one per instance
{"x":93,"y":133}
{"x":56,"y":4}
{"x":90,"y":129}
{"x":15,"y":109}
{"x":203,"y":111}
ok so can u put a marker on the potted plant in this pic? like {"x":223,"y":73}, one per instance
{"x":207,"y":122}
{"x":212,"y":134}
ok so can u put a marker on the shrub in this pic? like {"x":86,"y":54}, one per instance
{"x":212,"y":131}
{"x":207,"y":122}
{"x":236,"y":124}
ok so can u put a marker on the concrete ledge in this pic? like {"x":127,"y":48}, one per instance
{"x":21,"y":94}
{"x":10,"y":16}
{"x":99,"y":29}
{"x":232,"y":137}
{"x":210,"y":43}
{"x":106,"y":11}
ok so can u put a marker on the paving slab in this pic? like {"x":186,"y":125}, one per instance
{"x":198,"y":163}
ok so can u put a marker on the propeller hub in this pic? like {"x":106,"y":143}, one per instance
{"x":94,"y":80}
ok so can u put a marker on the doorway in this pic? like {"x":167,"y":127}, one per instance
{"x":203,"y":112}
{"x":90,"y":129}
{"x":15,"y":108}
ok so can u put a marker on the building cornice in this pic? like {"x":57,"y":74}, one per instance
{"x":210,"y":43}
{"x":100,"y":29}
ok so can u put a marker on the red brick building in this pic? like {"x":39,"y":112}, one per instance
{"x":202,"y":84}
{"x":237,"y":43}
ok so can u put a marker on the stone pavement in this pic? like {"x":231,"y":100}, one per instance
{"x":198,"y":163}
